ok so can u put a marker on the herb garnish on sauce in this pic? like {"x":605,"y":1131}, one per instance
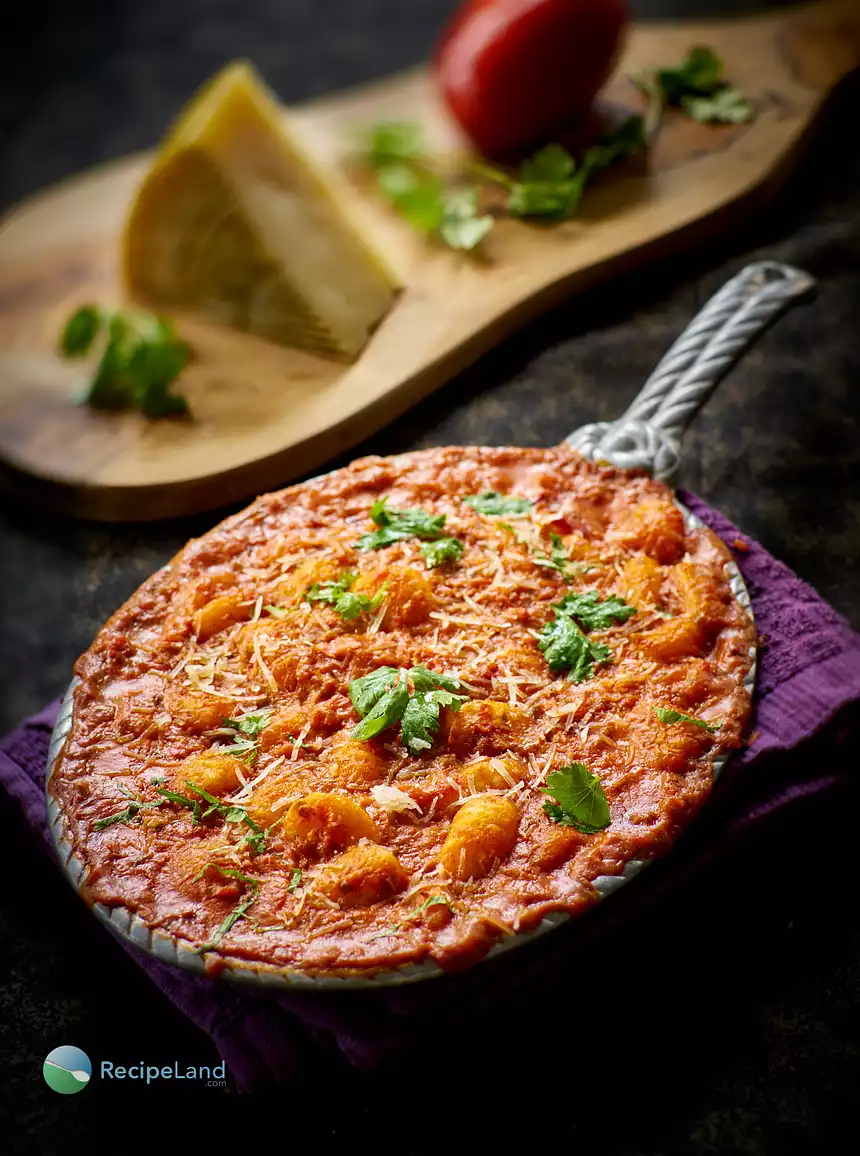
{"x":496,"y":505}
{"x":667,"y":715}
{"x":413,"y":698}
{"x":579,"y":799}
{"x":339,"y":595}
{"x":398,"y":525}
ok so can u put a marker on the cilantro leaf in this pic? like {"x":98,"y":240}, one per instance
{"x":550,"y":184}
{"x":397,"y":525}
{"x":250,"y":724}
{"x":701,"y":71}
{"x":565,"y":647}
{"x":442,"y":551}
{"x":295,"y":880}
{"x":416,"y":196}
{"x":728,"y":106}
{"x":667,"y":715}
{"x":462,"y":226}
{"x":424,"y":679}
{"x":594,"y":613}
{"x":406,"y":179}
{"x":387,"y":710}
{"x":580,"y":801}
{"x":81,"y":330}
{"x":625,"y":141}
{"x":393,"y":142}
{"x":140,"y":358}
{"x":338,"y":595}
{"x":696,"y":86}
{"x":558,"y":559}
{"x":494,"y":504}
{"x":367,"y":691}
{"x":384,"y":698}
{"x":420,"y":722}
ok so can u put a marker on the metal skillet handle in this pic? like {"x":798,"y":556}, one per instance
{"x":647,"y":437}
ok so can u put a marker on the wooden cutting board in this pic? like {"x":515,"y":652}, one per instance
{"x":262,"y":414}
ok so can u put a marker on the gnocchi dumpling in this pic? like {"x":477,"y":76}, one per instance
{"x":321,"y":822}
{"x":217,"y":774}
{"x":483,"y":830}
{"x":362,"y":875}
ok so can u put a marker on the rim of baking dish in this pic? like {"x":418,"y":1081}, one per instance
{"x":128,"y":927}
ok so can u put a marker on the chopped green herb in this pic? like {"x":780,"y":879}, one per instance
{"x":565,"y":647}
{"x":339,"y":595}
{"x":550,"y":184}
{"x":238,"y":911}
{"x":495,"y":505}
{"x":140,"y":357}
{"x":728,"y":106}
{"x":132,"y":811}
{"x":432,"y":901}
{"x":191,"y":805}
{"x":394,"y":142}
{"x":398,"y":525}
{"x":580,"y":801}
{"x":442,"y":552}
{"x":250,"y":724}
{"x":383,"y":698}
{"x":406,"y":180}
{"x":463,"y":226}
{"x":558,"y":559}
{"x":295,"y":880}
{"x":593,"y":612}
{"x":388,"y":704}
{"x":276,"y":611}
{"x":667,"y":715}
{"x":697,"y":86}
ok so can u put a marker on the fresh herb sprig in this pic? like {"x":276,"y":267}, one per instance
{"x":563,"y":641}
{"x":594,"y":612}
{"x":241,"y":908}
{"x":229,"y":812}
{"x":669,"y":716}
{"x":398,"y":525}
{"x":388,"y":696}
{"x":442,"y":552}
{"x":129,"y":814}
{"x":565,"y":647}
{"x":550,"y":184}
{"x":696,"y":86}
{"x":340,"y":595}
{"x":495,"y":505}
{"x":249,"y":727}
{"x":140,"y":358}
{"x":579,"y":800}
{"x":405,"y":178}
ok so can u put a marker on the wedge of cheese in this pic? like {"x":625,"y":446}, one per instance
{"x":235,"y":222}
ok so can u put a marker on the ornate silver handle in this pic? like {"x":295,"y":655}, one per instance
{"x":647,"y":436}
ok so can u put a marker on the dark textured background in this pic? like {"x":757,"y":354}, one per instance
{"x":744,"y":1004}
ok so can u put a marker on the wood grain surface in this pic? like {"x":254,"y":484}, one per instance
{"x":263,"y":414}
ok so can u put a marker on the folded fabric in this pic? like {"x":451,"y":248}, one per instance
{"x":809,"y":669}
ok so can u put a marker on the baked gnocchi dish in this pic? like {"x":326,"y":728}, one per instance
{"x":402,"y":711}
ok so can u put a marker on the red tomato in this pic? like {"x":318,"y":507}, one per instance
{"x":512,"y":70}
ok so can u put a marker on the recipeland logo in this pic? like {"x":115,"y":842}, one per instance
{"x":67,"y":1070}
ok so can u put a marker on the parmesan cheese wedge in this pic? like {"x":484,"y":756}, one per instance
{"x":236,"y":223}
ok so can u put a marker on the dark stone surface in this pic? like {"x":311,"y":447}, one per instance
{"x":766,"y":1063}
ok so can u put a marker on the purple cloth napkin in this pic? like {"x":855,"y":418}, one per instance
{"x":809,"y":668}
